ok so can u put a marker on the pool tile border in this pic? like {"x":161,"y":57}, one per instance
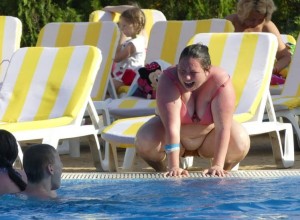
{"x":152,"y":175}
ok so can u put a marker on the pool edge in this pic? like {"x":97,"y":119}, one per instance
{"x":154,"y":175}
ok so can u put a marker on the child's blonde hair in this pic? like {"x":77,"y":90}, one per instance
{"x":135,"y":16}
{"x":264,"y":7}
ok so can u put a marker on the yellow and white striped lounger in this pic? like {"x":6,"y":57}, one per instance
{"x":248,"y":58}
{"x":46,"y":92}
{"x":104,"y":35}
{"x":152,"y":16}
{"x":167,"y":40}
{"x":277,"y":89}
{"x":287,"y":104}
{"x":10,"y":39}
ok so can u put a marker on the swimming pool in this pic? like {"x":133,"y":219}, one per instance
{"x":246,"y":197}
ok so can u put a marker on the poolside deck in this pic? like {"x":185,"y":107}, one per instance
{"x":260,"y":157}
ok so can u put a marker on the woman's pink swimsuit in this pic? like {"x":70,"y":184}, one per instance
{"x":211,"y":83}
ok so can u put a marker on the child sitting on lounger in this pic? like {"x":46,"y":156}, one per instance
{"x":131,"y":54}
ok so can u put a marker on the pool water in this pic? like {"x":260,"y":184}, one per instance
{"x":201,"y":198}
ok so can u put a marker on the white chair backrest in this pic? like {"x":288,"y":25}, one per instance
{"x":286,"y":38}
{"x":168,"y":38}
{"x":104,"y":35}
{"x":100,"y":15}
{"x":48,"y":83}
{"x":292,"y":83}
{"x":10,"y":39}
{"x":152,"y":16}
{"x":248,"y":58}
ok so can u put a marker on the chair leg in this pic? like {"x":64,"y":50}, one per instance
{"x":115,"y":156}
{"x":293,"y":119}
{"x":95,"y":148}
{"x":100,"y":163}
{"x":236,"y":167}
{"x":129,"y":158}
{"x":111,"y":89}
{"x":74,"y":147}
{"x":283,"y":155}
{"x":64,"y":147}
{"x":186,"y":162}
{"x":51,"y":140}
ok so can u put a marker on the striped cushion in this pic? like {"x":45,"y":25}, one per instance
{"x":131,"y":106}
{"x":277,"y":89}
{"x":124,"y":130}
{"x":10,"y":39}
{"x":286,"y":38}
{"x":152,"y":16}
{"x":285,"y":103}
{"x":100,"y":15}
{"x":48,"y":83}
{"x":104,"y":35}
{"x":289,"y":97}
{"x":292,"y":84}
{"x":168,"y":38}
{"x":247,"y":58}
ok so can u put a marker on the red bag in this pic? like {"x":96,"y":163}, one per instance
{"x":128,"y":77}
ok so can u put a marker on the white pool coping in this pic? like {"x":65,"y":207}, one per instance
{"x":153,"y":175}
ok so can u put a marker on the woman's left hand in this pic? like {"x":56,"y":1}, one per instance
{"x":215,"y":171}
{"x":176,"y":172}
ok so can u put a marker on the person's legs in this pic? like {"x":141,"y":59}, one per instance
{"x":238,"y":147}
{"x":149,"y":143}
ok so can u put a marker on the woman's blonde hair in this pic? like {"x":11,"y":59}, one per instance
{"x":264,"y":7}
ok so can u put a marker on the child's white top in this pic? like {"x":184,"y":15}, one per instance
{"x":133,"y":62}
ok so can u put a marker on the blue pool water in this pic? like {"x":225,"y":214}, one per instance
{"x":201,"y":198}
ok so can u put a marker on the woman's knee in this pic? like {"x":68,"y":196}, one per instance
{"x":240,"y":141}
{"x":143,"y":142}
{"x":148,"y":138}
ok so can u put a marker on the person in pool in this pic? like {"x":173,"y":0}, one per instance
{"x":11,"y":180}
{"x":43,"y":168}
{"x":255,"y":16}
{"x":196,"y":102}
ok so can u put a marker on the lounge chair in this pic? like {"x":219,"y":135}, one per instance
{"x":46,"y":92}
{"x":287,"y":39}
{"x":248,"y":58}
{"x":10,"y":39}
{"x":287,"y":104}
{"x":167,"y":40}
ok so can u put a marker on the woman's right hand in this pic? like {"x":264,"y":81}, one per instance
{"x":215,"y":170}
{"x":177,"y":172}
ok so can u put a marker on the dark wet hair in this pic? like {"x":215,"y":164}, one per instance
{"x":8,"y":155}
{"x":197,"y":51}
{"x":135,"y":16}
{"x":35,"y":160}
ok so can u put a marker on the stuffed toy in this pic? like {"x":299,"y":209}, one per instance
{"x":277,"y":80}
{"x":147,"y":82}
